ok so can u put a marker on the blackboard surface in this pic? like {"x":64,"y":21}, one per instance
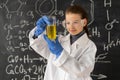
{"x":17,"y":17}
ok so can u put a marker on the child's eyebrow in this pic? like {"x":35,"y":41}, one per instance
{"x":73,"y":21}
{"x":76,"y":20}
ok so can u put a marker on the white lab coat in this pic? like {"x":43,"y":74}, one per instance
{"x":76,"y":61}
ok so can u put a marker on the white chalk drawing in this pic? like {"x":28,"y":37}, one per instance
{"x":14,"y":68}
{"x":14,"y":8}
{"x":20,"y":68}
{"x":40,"y":4}
{"x":99,"y":76}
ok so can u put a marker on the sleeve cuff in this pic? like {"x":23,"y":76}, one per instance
{"x":61,"y":59}
{"x":34,"y":37}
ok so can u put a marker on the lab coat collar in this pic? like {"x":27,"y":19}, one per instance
{"x":81,"y":42}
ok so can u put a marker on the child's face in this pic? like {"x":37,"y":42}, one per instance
{"x":74,"y":23}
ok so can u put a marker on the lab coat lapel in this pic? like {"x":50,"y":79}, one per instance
{"x":66,"y":43}
{"x":79,"y":44}
{"x":82,"y":41}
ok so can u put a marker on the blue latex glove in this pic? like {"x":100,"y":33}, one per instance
{"x":54,"y":46}
{"x":41,"y":25}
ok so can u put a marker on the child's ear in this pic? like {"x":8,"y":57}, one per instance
{"x":84,"y":22}
{"x":63,"y":23}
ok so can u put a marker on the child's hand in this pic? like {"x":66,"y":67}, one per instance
{"x":41,"y":25}
{"x":54,"y":46}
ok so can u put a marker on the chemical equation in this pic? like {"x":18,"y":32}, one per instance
{"x":101,"y":58}
{"x":17,"y":66}
{"x":109,"y":26}
{"x":24,"y":59}
{"x":28,"y":77}
{"x":19,"y":36}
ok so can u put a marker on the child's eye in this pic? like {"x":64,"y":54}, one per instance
{"x":67,"y":23}
{"x":75,"y":22}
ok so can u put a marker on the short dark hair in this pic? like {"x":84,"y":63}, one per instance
{"x":77,"y":9}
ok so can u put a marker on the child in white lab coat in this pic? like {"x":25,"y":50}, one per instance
{"x":70,"y":57}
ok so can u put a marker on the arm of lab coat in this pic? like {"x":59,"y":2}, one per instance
{"x":81,"y":67}
{"x":39,"y":45}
